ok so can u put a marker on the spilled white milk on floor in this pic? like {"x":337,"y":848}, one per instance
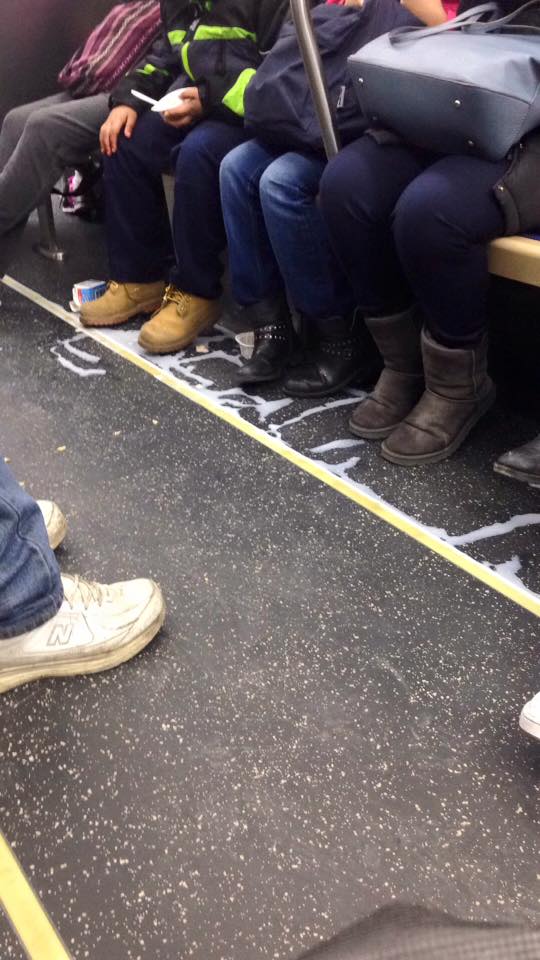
{"x":191,"y":369}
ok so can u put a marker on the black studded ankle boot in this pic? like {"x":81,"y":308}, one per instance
{"x":341,"y":351}
{"x":272,"y":324}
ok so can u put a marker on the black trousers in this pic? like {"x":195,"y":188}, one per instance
{"x":410,"y":226}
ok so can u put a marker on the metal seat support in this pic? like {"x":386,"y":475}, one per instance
{"x":48,"y":243}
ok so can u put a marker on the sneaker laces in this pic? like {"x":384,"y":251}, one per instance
{"x":174,"y":295}
{"x":86,"y":591}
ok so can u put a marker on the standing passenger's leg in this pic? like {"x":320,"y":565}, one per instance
{"x":30,"y":585}
{"x":61,"y":626}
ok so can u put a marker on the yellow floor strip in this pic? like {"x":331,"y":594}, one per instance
{"x":525,"y":598}
{"x":25,"y":911}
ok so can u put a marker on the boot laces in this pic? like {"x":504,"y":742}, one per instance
{"x":85,"y":591}
{"x":174,"y":295}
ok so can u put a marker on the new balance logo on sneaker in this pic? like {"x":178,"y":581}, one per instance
{"x":60,"y":635}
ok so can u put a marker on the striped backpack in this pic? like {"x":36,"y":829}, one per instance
{"x":113,"y":47}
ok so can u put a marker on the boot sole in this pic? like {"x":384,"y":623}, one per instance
{"x":323,"y":392}
{"x":164,"y":348}
{"x":269,"y":378}
{"x":174,"y":346}
{"x":531,"y":478}
{"x":367,"y":434}
{"x":529,"y":727}
{"x":79,"y":668}
{"x":414,"y":461}
{"x":117,"y":319}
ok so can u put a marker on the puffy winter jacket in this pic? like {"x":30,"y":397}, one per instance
{"x":215,"y":46}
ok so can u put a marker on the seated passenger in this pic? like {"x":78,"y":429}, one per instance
{"x":39,"y":140}
{"x":522,"y":464}
{"x":410,"y":230}
{"x":59,"y":626}
{"x":278,"y":244}
{"x":212,"y":51}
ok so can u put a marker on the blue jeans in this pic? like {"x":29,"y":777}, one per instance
{"x":30,"y":585}
{"x":277,"y":237}
{"x":139,"y":236}
{"x":408,"y":225}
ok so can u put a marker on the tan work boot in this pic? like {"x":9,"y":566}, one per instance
{"x":178,"y":322}
{"x":121,"y":302}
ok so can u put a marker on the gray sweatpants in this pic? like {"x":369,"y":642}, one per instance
{"x":37,"y":142}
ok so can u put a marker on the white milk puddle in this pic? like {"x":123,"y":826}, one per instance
{"x":67,"y":346}
{"x":337,"y":445}
{"x":236,"y":399}
{"x":509,"y":571}
{"x":496,"y":529}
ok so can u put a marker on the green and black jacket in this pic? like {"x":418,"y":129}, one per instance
{"x":215,"y":46}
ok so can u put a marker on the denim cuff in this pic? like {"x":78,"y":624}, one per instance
{"x":39,"y":615}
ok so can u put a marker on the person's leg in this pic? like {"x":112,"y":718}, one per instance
{"x":30,"y":585}
{"x":14,"y":122}
{"x":139,"y":238}
{"x":359,"y":190}
{"x":255,"y":273}
{"x":36,"y":144}
{"x":61,"y":626}
{"x":443,"y":223}
{"x":299,"y":237}
{"x":257,"y":283}
{"x":198,"y":228}
{"x":191,"y":303}
{"x":318,"y":288}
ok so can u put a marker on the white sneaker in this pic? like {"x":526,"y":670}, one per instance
{"x":529,"y":720}
{"x":55,"y":522}
{"x":96,"y":628}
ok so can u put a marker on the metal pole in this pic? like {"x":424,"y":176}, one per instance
{"x":301,"y":14}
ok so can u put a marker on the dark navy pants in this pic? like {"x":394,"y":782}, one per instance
{"x":410,"y":226}
{"x":138,"y":231}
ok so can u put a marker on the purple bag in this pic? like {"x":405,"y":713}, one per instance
{"x":116,"y":44}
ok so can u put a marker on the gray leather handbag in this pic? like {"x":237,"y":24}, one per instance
{"x":465,"y":87}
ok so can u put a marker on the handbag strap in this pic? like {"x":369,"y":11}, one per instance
{"x":506,"y":24}
{"x":401,"y":34}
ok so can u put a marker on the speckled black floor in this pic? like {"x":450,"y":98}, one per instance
{"x":327,"y":722}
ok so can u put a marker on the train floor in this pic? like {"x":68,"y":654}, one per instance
{"x":327,"y":722}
